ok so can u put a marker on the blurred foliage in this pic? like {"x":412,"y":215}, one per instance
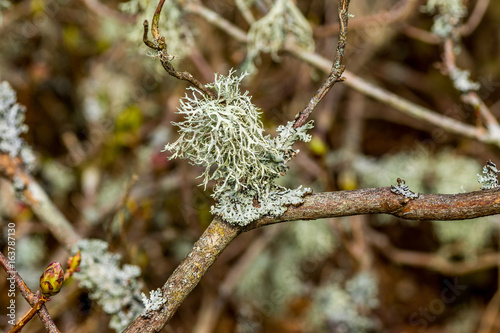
{"x":99,"y":109}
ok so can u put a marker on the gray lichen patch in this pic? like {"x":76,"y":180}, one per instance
{"x":225,"y":135}
{"x":12,"y":126}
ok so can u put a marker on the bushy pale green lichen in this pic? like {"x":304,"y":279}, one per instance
{"x":225,"y":135}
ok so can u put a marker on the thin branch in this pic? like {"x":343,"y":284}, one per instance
{"x":33,"y":299}
{"x":36,"y":197}
{"x":337,"y":68}
{"x":159,"y":45}
{"x":474,"y":18}
{"x":30,"y":314}
{"x":430,"y":261}
{"x":470,"y":97}
{"x":420,"y":34}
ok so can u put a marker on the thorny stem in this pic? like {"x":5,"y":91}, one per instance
{"x":159,"y":45}
{"x":337,"y":67}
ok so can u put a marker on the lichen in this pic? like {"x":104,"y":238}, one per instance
{"x":283,"y":22}
{"x":449,"y":14}
{"x":345,"y":308}
{"x":12,"y":126}
{"x":489,"y":178}
{"x":225,"y":135}
{"x":117,"y":289}
{"x":403,"y":190}
{"x":154,"y":302}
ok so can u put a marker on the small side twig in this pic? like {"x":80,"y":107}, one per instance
{"x":36,"y":197}
{"x":337,"y":67}
{"x":32,"y":298}
{"x":470,"y":97}
{"x":158,"y":44}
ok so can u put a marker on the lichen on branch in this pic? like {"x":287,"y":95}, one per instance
{"x":225,"y":135}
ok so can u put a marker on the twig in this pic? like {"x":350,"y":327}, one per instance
{"x":159,"y":45}
{"x":337,"y":68}
{"x":188,"y":274}
{"x":235,"y":274}
{"x":27,"y":316}
{"x":440,"y":207}
{"x":420,"y":34}
{"x":430,"y":261}
{"x":470,"y":97}
{"x":449,"y":124}
{"x":33,"y":299}
{"x":474,"y":18}
{"x":38,"y":200}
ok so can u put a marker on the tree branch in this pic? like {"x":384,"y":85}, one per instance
{"x":216,"y":238}
{"x":337,"y":68}
{"x":440,"y":207}
{"x":38,"y":200}
{"x":187,"y":275}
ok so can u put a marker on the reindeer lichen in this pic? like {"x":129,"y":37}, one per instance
{"x":225,"y":135}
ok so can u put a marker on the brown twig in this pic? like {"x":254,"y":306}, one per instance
{"x":442,"y":207}
{"x":33,"y":299}
{"x":28,"y":315}
{"x":37,"y":199}
{"x":430,"y":261}
{"x":337,"y":68}
{"x":474,"y":18}
{"x":159,"y":45}
{"x":470,"y":97}
{"x":213,"y":309}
